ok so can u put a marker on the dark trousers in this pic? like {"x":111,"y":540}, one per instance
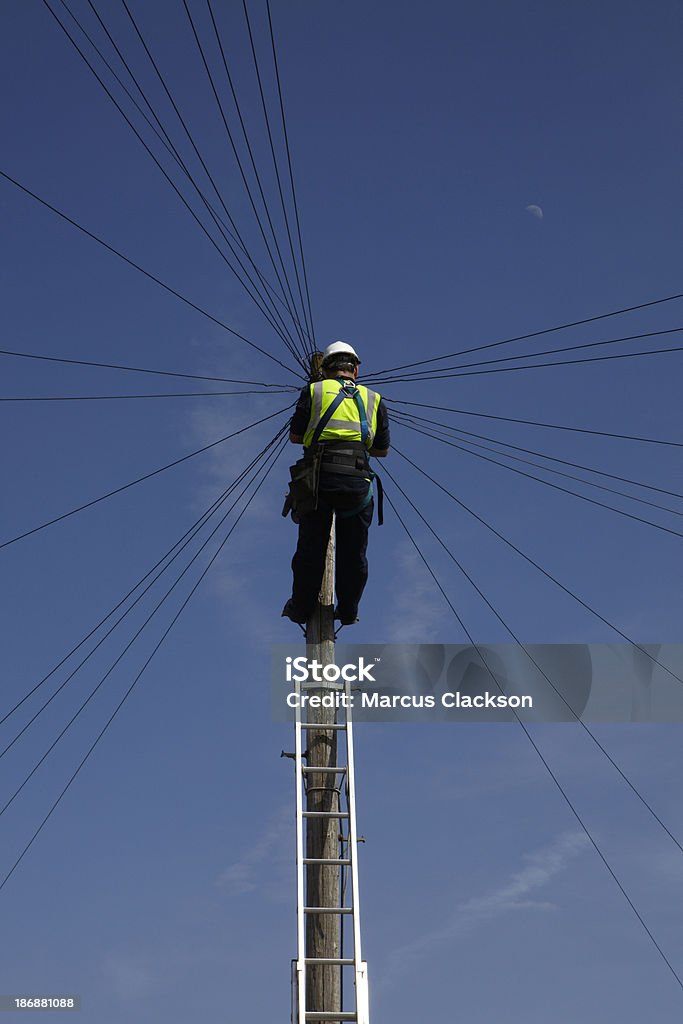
{"x":351,"y":568}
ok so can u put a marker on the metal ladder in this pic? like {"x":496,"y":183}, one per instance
{"x":349,"y":861}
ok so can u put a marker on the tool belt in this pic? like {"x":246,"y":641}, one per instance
{"x":346,"y":457}
{"x":304,"y":478}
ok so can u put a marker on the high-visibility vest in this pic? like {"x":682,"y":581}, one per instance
{"x":345,"y":423}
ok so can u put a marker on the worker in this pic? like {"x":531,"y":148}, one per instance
{"x":339,"y":423}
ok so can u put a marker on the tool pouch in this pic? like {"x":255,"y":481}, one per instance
{"x":303,"y":485}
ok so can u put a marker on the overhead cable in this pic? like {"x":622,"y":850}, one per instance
{"x":272,"y":150}
{"x":140,"y":479}
{"x":289,"y":164}
{"x":173,"y":185}
{"x":537,"y":565}
{"x":138,"y":369}
{"x":147,"y":273}
{"x":441,"y":436}
{"x":557,"y":487}
{"x":533,"y":661}
{"x":238,"y":110}
{"x":118,"y":398}
{"x":204,"y":519}
{"x":291,"y":345}
{"x":537,"y":366}
{"x":546,"y":764}
{"x":131,"y":687}
{"x":420,"y":374}
{"x":182,"y":542}
{"x":458,"y":431}
{"x":537,"y":423}
{"x":292,"y":307}
{"x":163,"y":136}
{"x":537,"y":334}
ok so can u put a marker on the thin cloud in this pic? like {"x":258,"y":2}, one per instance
{"x":515,"y":895}
{"x":416,"y":614}
{"x":253,"y":869}
{"x":541,"y":867}
{"x":129,"y":978}
{"x":232,"y":578}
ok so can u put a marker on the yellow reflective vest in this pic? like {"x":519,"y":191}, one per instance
{"x":345,"y":423}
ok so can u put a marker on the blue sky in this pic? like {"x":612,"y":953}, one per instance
{"x":163,"y":886}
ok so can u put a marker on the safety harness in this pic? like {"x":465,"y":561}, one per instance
{"x":346,"y":457}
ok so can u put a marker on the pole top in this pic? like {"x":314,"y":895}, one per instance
{"x":316,"y":366}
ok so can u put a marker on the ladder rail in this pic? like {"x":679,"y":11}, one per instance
{"x":360,"y":970}
{"x":300,"y":969}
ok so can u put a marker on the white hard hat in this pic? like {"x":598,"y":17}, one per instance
{"x":339,"y":348}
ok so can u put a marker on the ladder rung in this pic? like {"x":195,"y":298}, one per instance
{"x":339,"y":961}
{"x":322,"y":685}
{"x":308,"y":769}
{"x":331,"y":1015}
{"x":325,"y":814}
{"x":328,"y":910}
{"x":314,"y":725}
{"x":326,"y":860}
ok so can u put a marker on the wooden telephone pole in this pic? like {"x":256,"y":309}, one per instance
{"x":323,"y":886}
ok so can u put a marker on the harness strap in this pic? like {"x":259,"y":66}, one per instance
{"x":348,"y":470}
{"x":380,"y":499}
{"x":327,"y":415}
{"x":366,"y":501}
{"x":336,"y":460}
{"x":362,"y":415}
{"x":345,"y":448}
{"x":358,"y":508}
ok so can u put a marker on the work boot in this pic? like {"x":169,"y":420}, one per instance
{"x":290,"y":611}
{"x":346,"y":618}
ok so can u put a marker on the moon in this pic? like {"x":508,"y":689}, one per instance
{"x":535,"y":211}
